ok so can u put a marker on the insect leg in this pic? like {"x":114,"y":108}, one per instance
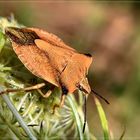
{"x":37,"y":86}
{"x":48,"y":93}
{"x":61,"y":103}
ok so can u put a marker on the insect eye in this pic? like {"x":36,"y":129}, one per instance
{"x":79,"y":87}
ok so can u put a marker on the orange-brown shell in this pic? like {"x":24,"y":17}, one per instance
{"x":49,"y":58}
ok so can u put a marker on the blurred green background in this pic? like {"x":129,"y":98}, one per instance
{"x":111,"y":33}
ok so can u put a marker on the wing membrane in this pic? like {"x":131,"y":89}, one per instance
{"x":51,"y":38}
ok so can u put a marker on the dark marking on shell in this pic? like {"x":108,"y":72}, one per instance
{"x":87,"y":54}
{"x":21,"y":36}
{"x":64,"y":90}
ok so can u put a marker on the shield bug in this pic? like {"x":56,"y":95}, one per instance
{"x":49,"y":58}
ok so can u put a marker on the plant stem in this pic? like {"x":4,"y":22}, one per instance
{"x":17,"y":116}
{"x":78,"y":122}
{"x":103,"y":119}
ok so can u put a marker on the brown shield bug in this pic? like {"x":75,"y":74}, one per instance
{"x":49,"y":58}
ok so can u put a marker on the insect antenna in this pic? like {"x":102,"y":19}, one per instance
{"x":97,"y":94}
{"x":85,"y":113}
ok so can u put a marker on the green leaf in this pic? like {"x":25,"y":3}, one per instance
{"x":103,"y":119}
{"x":2,"y":41}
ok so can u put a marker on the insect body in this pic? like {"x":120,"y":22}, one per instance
{"x":49,"y":58}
